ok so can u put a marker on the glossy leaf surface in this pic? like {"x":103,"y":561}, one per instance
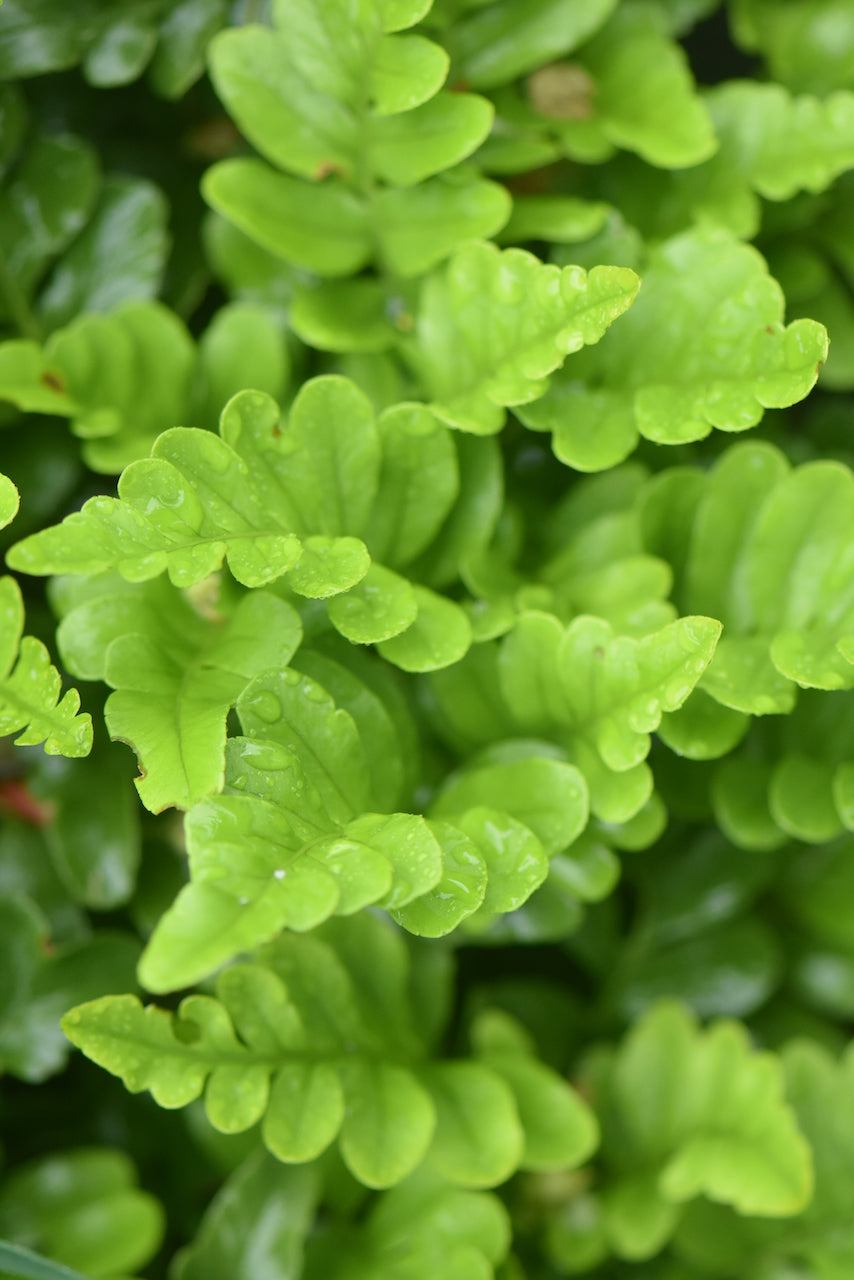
{"x":684,"y":361}
{"x":31,"y":704}
{"x":493,"y":325}
{"x":175,"y":676}
{"x":298,"y":1041}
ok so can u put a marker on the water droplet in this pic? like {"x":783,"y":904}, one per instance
{"x":242,"y":902}
{"x":270,"y":756}
{"x":238,"y":782}
{"x":508,"y":288}
{"x":314,"y":693}
{"x":266,"y":706}
{"x":290,"y":677}
{"x":569,"y":340}
{"x":574,"y":278}
{"x":219,"y":457}
{"x":279,"y":873}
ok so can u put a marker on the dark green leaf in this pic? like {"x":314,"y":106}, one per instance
{"x":118,"y":258}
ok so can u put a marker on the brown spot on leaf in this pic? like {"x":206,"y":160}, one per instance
{"x":562,"y":91}
{"x":54,"y":381}
{"x":584,"y":1089}
{"x":325,"y":169}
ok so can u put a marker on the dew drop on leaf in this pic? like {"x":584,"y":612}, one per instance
{"x":508,"y":288}
{"x":314,"y":693}
{"x":677,"y":692}
{"x":569,"y":340}
{"x":265,"y":706}
{"x":271,"y":756}
{"x":218,"y":459}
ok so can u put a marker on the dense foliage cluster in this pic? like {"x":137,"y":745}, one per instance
{"x":427,"y":787}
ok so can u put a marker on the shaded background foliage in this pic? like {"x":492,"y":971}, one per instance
{"x":506,"y":696}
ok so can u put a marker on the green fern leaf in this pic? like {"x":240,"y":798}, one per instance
{"x":30,"y":703}
{"x":124,"y":378}
{"x":494,"y":324}
{"x":704,"y":346}
{"x":295,"y":503}
{"x":10,"y":500}
{"x":643,"y":97}
{"x":419,"y":1228}
{"x":299,"y":93}
{"x":175,"y":674}
{"x":772,"y":144}
{"x":767,"y":554}
{"x":498,"y":44}
{"x":597,"y":695}
{"x":294,"y":840}
{"x":715,"y":1125}
{"x":317,"y":1039}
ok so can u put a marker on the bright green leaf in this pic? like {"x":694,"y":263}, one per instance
{"x":418,"y":226}
{"x":494,"y":324}
{"x":323,"y":228}
{"x":479,"y":1139}
{"x":637,"y":1218}
{"x":200,"y":497}
{"x":548,"y":796}
{"x":242,"y":346}
{"x":686,"y":358}
{"x":10,"y":500}
{"x":516,"y":861}
{"x":382,"y":605}
{"x":439,"y":636}
{"x":346,"y":315}
{"x":384,"y":1102}
{"x":710,"y":1111}
{"x":794,"y":41}
{"x":175,"y":678}
{"x":772,"y":144}
{"x":644,"y":96}
{"x":30,"y":703}
{"x":406,"y":149}
{"x":407,"y":71}
{"x":498,"y":42}
{"x":560,"y":1130}
{"x":418,"y":484}
{"x":457,"y":894}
